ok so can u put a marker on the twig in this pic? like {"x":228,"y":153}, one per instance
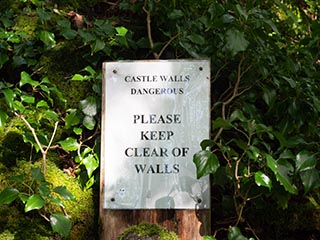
{"x":44,"y":150}
{"x":235,"y":93}
{"x":156,"y":55}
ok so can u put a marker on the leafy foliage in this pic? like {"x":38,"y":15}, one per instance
{"x":265,"y":93}
{"x":40,"y":193}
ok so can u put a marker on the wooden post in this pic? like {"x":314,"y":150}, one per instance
{"x":187,"y":224}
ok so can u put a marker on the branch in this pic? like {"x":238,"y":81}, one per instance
{"x":156,"y":56}
{"x":32,"y":131}
{"x":235,"y":93}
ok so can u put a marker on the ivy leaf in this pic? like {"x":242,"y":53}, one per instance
{"x":8,"y":195}
{"x":310,"y":179}
{"x":3,"y":118}
{"x":89,"y":106}
{"x":72,"y":119}
{"x":56,"y":201}
{"x":9,"y":97}
{"x":221,"y":123}
{"x":47,"y":38}
{"x":262,"y":179}
{"x":34,"y":202}
{"x":206,"y":163}
{"x":68,"y":33}
{"x":121,"y":31}
{"x":60,"y":224}
{"x":44,"y":189}
{"x":69,"y":144}
{"x":235,"y":41}
{"x":37,"y":175}
{"x":89,"y":122}
{"x":79,"y":77}
{"x":27,"y":99}
{"x":196,"y":38}
{"x":64,"y":193}
{"x":209,"y":238}
{"x":91,"y":163}
{"x":305,"y":161}
{"x":234,"y":233}
{"x":97,"y":45}
{"x":282,"y":170}
{"x":25,"y":78}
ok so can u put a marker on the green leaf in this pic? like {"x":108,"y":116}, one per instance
{"x":47,"y":38}
{"x":90,"y":70}
{"x":206,"y":163}
{"x":209,"y":238}
{"x":43,"y":104}
{"x":69,"y":144}
{"x":197,"y":38}
{"x":50,"y":114}
{"x":25,"y":78}
{"x":207,"y":143}
{"x":34,"y":202}
{"x":9,"y":97}
{"x":237,"y":115}
{"x":23,"y":197}
{"x":28,"y":138}
{"x":282,"y":170}
{"x":221,"y":123}
{"x":64,"y":193}
{"x":44,"y":189}
{"x":27,"y":99}
{"x":79,"y":77}
{"x":56,"y":201}
{"x":77,"y":130}
{"x":236,"y":41}
{"x":68,"y":34}
{"x":8,"y":195}
{"x":262,"y":179}
{"x":37,"y":175}
{"x":91,"y":163}
{"x":234,"y":233}
{"x":305,"y":161}
{"x":242,"y":11}
{"x":97,"y":45}
{"x":3,"y":118}
{"x":43,"y":15}
{"x":89,"y":106}
{"x":60,"y":224}
{"x":121,"y":31}
{"x":175,"y":14}
{"x":72,"y":119}
{"x":17,"y":178}
{"x":310,"y":179}
{"x":269,"y":96}
{"x":89,"y":122}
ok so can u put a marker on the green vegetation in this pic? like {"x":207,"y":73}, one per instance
{"x":147,"y":230}
{"x":264,"y":149}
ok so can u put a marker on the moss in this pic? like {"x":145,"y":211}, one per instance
{"x":145,"y":231}
{"x":26,"y":24}
{"x":59,"y":69}
{"x":12,"y":146}
{"x":30,"y":225}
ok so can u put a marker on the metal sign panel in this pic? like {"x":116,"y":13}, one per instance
{"x":155,"y":114}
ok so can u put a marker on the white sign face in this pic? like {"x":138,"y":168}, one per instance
{"x":155,"y":114}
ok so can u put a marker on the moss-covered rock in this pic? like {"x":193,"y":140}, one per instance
{"x":16,"y":224}
{"x":147,"y":231}
{"x":12,"y":146}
